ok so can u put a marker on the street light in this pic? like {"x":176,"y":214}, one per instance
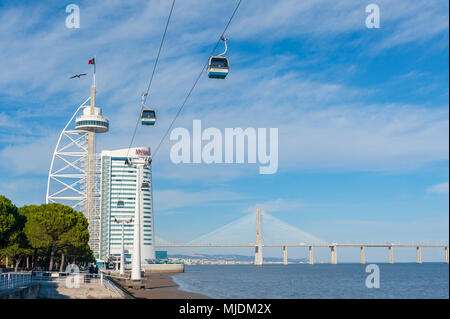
{"x":139,"y":163}
{"x":122,"y":253}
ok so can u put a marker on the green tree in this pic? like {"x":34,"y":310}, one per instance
{"x":80,"y":254}
{"x":76,"y":237}
{"x":53,"y":226}
{"x":7,"y":220}
{"x":18,"y":247}
{"x":27,"y":211}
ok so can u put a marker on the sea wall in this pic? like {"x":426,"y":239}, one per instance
{"x":29,"y":292}
{"x":163,"y":268}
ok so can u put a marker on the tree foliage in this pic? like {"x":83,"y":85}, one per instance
{"x":43,"y":231}
{"x":7,"y":219}
{"x":17,"y":244}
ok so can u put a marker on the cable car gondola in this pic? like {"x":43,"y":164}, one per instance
{"x":128,"y":162}
{"x":145,"y":184}
{"x":218,"y":66}
{"x":148,"y":116}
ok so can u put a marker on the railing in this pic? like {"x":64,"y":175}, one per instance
{"x":50,"y":276}
{"x":100,"y":279}
{"x":14,"y":280}
{"x":114,"y":287}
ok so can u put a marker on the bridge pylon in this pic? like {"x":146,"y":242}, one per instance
{"x":258,"y":247}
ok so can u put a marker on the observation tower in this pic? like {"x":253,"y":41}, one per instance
{"x":73,"y":178}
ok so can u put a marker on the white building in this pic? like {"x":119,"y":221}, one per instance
{"x":118,"y":200}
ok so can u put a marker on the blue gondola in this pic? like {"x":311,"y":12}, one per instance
{"x":120,"y":204}
{"x":145,"y":185}
{"x":218,"y":65}
{"x":148,"y":116}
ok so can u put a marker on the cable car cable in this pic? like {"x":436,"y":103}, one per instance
{"x":196,"y":80}
{"x":159,"y":51}
{"x":149,"y":85}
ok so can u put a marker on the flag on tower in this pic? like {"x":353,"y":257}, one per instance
{"x":92,"y":61}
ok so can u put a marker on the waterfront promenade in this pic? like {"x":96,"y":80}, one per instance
{"x":54,"y":285}
{"x":59,"y":290}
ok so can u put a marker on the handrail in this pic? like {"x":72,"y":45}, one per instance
{"x":14,"y":280}
{"x":126,"y":293}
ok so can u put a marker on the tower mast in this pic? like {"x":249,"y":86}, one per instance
{"x":90,"y":178}
{"x":72,"y":174}
{"x":93,"y":122}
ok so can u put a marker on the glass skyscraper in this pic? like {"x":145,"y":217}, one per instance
{"x":118,"y":201}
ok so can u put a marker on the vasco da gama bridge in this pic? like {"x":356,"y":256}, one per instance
{"x":258,"y":245}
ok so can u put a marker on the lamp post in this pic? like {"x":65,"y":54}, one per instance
{"x":122,"y":252}
{"x":139,"y":163}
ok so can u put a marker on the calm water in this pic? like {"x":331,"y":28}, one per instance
{"x":428,"y":280}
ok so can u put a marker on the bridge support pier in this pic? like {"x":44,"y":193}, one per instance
{"x":446,"y":255}
{"x":285,"y":255}
{"x":333,"y":255}
{"x":419,"y":254}
{"x":363,"y":256}
{"x":311,"y":255}
{"x":391,"y":255}
{"x":258,"y":248}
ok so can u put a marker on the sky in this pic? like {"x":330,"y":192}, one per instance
{"x":362,"y":114}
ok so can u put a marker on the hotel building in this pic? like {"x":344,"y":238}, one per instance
{"x":119,"y":188}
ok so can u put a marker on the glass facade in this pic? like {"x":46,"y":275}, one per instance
{"x":92,"y":123}
{"x":119,"y":184}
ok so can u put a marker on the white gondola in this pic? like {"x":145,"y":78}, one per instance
{"x":145,"y":185}
{"x":218,"y":66}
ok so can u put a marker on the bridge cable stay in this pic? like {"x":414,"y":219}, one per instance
{"x":148,"y":89}
{"x":196,"y":80}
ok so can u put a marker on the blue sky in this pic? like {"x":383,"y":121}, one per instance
{"x":362,"y":114}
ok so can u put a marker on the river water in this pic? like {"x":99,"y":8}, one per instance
{"x":400,"y":280}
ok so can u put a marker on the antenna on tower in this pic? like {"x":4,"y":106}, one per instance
{"x":93,"y":62}
{"x":95,"y":70}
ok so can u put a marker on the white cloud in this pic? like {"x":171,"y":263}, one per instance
{"x":323,"y":124}
{"x":401,"y":21}
{"x":412,"y":230}
{"x":30,"y":158}
{"x":126,"y":44}
{"x":341,"y":135}
{"x":439,"y":188}
{"x":5,"y":121}
{"x":166,"y":200}
{"x":276,"y":205}
{"x":23,"y":191}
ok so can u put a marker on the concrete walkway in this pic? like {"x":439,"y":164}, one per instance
{"x":59,"y":290}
